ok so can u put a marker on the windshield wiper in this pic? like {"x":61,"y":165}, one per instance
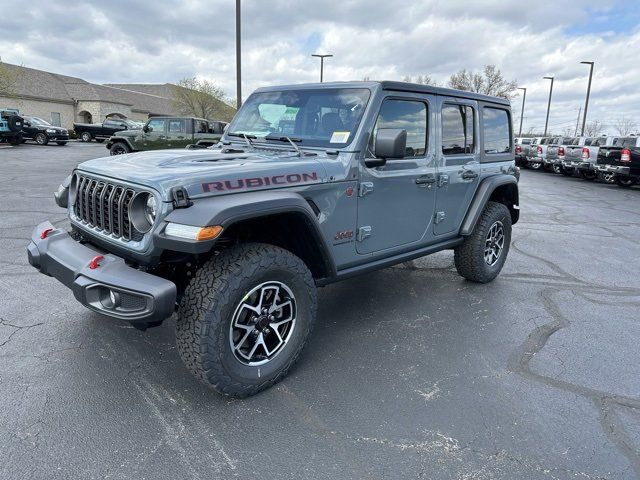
{"x":245,"y":136}
{"x":287,"y":139}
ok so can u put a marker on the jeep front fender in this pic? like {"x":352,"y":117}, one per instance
{"x":126,"y":140}
{"x":228,"y":210}
{"x":500,"y":188}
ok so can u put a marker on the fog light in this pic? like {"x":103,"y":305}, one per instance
{"x":114,"y":297}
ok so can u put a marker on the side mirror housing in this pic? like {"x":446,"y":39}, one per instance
{"x":146,"y":129}
{"x":390,"y":143}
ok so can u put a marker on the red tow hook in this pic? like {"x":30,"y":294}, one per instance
{"x":46,"y":232}
{"x":95,"y":262}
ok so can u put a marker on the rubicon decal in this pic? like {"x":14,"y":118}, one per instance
{"x":256,"y":182}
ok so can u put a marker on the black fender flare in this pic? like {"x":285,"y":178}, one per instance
{"x":482,"y":196}
{"x":227,"y":210}
{"x":113,"y":140}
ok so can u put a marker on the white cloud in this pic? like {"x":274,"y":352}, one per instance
{"x":122,"y":41}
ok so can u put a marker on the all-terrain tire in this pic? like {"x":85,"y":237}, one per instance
{"x":207,"y":309}
{"x":470,"y":256}
{"x":119,"y":148}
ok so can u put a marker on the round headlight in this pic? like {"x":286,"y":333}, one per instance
{"x":150,"y":209}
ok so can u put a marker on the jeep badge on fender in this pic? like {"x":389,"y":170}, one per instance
{"x":310,"y":184}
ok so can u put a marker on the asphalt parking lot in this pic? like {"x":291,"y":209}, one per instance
{"x":411,"y":372}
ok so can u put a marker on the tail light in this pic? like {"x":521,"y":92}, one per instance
{"x":625,"y":155}
{"x":585,"y":152}
{"x":561,"y":151}
{"x":539,"y":149}
{"x":518,"y":149}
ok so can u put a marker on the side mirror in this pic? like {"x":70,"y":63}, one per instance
{"x":27,"y":124}
{"x":390,"y":143}
{"x":146,"y":129}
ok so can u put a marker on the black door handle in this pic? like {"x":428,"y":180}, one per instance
{"x":426,"y":180}
{"x":469,"y":175}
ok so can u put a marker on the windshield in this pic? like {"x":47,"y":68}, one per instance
{"x":131,"y":124}
{"x":326,"y":117}
{"x":38,"y":121}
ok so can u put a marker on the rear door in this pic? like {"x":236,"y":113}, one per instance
{"x":458,"y":165}
{"x":396,"y":201}
{"x":177,"y":135}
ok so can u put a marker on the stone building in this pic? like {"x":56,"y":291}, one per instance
{"x":63,"y":100}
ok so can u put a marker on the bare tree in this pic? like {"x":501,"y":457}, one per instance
{"x":201,"y":98}
{"x":593,"y":128}
{"x":489,"y":82}
{"x":624,"y":126}
{"x":568,"y":131}
{"x":421,"y":79}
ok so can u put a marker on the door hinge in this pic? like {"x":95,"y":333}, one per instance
{"x":443,"y":180}
{"x":439,"y":217}
{"x":363,"y":232}
{"x":365,"y":188}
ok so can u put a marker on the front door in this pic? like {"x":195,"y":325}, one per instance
{"x":156,"y":136}
{"x":458,"y":164}
{"x":177,"y":133}
{"x":395,"y":203}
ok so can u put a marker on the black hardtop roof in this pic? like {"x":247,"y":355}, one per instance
{"x":394,"y":86}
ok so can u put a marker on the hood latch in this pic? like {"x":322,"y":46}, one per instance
{"x":180,"y":197}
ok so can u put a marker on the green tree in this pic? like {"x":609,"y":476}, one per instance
{"x":489,"y":82}
{"x":201,"y":98}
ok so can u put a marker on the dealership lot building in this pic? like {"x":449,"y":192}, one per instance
{"x":63,"y":100}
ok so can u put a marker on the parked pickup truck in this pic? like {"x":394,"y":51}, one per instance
{"x":584,"y":159}
{"x":555,"y":153}
{"x":573,"y":154}
{"x":622,"y":159}
{"x":310,"y":184}
{"x":101,"y":131}
{"x":166,"y":132}
{"x":536,"y":149}
{"x":523,"y":150}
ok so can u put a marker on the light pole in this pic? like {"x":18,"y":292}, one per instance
{"x":524,"y":98}
{"x":586,"y":103}
{"x":238,"y":62}
{"x":321,"y":57}
{"x":546,"y":123}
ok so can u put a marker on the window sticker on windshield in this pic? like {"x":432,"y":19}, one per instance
{"x":339,"y":137}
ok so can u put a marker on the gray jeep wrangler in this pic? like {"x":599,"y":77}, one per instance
{"x":309,"y":185}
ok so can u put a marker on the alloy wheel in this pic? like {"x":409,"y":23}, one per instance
{"x":494,"y":243}
{"x":262,"y":323}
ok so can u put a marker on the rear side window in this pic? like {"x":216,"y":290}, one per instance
{"x":177,"y":126}
{"x":496,"y":130}
{"x":457,"y":130}
{"x":409,"y":115}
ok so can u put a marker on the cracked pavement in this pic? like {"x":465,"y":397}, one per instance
{"x":411,"y":372}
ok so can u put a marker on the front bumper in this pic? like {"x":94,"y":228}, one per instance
{"x":617,"y":169}
{"x":58,"y":137}
{"x":113,"y":288}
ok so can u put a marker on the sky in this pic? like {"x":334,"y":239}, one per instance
{"x":157,"y":42}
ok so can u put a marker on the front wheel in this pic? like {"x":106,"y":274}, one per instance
{"x":626,"y":182}
{"x":245,"y":317}
{"x":119,"y":148}
{"x":483,"y":253}
{"x":41,"y":138}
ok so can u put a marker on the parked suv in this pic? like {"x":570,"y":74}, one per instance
{"x":166,"y":132}
{"x":11,"y":124}
{"x":42,"y":132}
{"x":309,"y":185}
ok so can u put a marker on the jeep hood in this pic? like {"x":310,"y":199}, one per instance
{"x":210,"y":171}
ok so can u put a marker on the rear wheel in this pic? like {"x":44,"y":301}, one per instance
{"x":119,"y":148}
{"x":41,"y":138}
{"x":588,"y":175}
{"x":557,"y":169}
{"x":245,"y":317}
{"x":626,"y":182}
{"x":85,"y":137}
{"x":608,"y":177}
{"x":535,"y":165}
{"x":483,"y":253}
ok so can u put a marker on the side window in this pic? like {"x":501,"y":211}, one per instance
{"x":458,"y":126}
{"x":177,"y":126}
{"x":156,"y":125}
{"x":496,"y":130}
{"x":55,"y":119}
{"x":201,"y":127}
{"x":409,"y":115}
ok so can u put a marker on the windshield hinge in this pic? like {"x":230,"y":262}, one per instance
{"x":180,"y":198}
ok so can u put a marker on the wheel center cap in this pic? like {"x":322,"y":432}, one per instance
{"x":263,"y":322}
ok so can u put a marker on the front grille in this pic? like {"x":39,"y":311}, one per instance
{"x":105,"y":206}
